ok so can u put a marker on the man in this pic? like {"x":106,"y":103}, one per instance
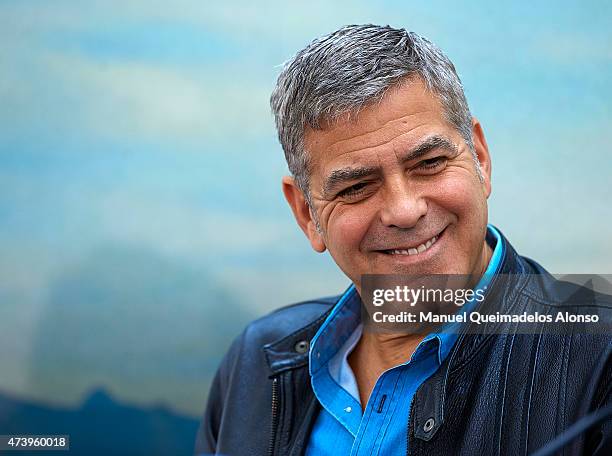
{"x":391,"y":175}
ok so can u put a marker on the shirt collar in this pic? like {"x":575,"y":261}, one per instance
{"x":336,"y":329}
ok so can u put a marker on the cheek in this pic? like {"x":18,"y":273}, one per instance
{"x":347,"y":225}
{"x":462,"y":194}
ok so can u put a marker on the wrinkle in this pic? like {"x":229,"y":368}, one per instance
{"x":387,"y":136}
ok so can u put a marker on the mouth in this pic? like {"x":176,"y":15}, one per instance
{"x":415,"y":250}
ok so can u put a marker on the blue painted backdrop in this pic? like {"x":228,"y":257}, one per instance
{"x":141,"y":222}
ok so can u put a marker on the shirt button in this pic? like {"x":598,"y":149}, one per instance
{"x":348,"y":409}
{"x":302,"y":346}
{"x":429,"y":424}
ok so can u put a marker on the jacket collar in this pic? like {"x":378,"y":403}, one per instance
{"x":291,"y":352}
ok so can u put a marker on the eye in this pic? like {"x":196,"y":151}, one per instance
{"x":432,"y":164}
{"x":353,"y":190}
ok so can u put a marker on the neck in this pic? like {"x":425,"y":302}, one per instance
{"x":485,"y":259}
{"x":389,"y":350}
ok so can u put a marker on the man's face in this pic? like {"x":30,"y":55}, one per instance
{"x":396,"y":191}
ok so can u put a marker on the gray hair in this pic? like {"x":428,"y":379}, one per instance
{"x":351,"y":68}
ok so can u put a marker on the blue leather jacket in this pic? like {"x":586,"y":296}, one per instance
{"x":495,"y":394}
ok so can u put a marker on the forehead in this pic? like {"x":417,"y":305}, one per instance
{"x":407,"y":113}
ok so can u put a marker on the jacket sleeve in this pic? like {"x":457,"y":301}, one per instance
{"x":210,"y":426}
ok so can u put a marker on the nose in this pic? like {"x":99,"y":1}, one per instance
{"x":403,"y":205}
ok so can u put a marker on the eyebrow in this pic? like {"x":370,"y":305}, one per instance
{"x":348,"y":174}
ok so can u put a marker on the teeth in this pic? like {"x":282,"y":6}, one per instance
{"x":415,"y":251}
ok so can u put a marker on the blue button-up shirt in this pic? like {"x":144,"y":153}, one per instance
{"x":341,"y":428}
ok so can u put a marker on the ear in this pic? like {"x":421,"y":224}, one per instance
{"x":302,"y":213}
{"x":482,"y":152}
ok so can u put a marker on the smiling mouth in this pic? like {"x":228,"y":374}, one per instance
{"x":414,"y":250}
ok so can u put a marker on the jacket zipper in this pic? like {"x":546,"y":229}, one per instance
{"x":274,"y":424}
{"x":410,"y":423}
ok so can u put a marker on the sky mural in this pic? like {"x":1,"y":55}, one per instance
{"x":141,"y":219}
